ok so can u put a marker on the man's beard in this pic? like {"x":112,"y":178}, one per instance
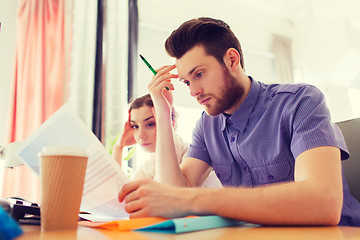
{"x":230,"y":93}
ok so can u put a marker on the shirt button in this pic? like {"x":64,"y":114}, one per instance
{"x":273,"y":95}
{"x":232,"y":139}
{"x":271,"y":177}
{"x":244,"y":168}
{"x":218,"y":175}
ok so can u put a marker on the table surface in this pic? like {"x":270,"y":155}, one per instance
{"x":243,"y":232}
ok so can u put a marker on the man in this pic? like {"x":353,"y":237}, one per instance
{"x":273,"y":147}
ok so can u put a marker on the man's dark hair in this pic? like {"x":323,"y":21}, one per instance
{"x":214,"y":35}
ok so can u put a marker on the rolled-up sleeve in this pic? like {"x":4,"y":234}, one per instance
{"x":311,"y":123}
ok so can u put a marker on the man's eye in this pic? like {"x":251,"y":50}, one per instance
{"x":186,"y":82}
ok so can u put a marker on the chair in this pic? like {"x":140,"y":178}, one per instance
{"x":351,"y":166}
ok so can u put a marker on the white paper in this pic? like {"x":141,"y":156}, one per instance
{"x":99,"y":218}
{"x":104,"y":176}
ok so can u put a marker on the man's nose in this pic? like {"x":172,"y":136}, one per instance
{"x":195,"y":89}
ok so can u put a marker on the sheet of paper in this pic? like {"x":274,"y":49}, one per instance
{"x":104,"y":177}
{"x":99,"y":218}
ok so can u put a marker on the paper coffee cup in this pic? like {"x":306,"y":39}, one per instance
{"x":62,"y":173}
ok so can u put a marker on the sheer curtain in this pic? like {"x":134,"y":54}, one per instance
{"x":83,"y":46}
{"x":38,"y":82}
{"x":39,"y":86}
{"x":281,"y":47}
{"x":112,"y":91}
{"x":115,"y":67}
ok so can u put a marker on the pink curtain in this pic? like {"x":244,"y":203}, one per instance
{"x":38,"y":83}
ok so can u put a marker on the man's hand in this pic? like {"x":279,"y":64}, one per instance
{"x":161,"y":97}
{"x":145,"y":198}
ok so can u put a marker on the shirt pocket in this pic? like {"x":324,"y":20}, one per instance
{"x":271,"y":173}
{"x":223,"y":172}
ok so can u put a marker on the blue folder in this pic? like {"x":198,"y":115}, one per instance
{"x":9,"y":228}
{"x":189,"y":224}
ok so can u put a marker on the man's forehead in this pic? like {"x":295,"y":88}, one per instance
{"x":182,"y":65}
{"x":186,"y":69}
{"x":190,"y":60}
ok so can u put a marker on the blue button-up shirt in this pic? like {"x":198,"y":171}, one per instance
{"x":259,"y":143}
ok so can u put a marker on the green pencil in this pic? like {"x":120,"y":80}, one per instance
{"x":150,"y":67}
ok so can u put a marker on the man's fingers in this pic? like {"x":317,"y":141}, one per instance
{"x":162,"y":79}
{"x":126,"y":189}
{"x":133,"y":207}
{"x":162,"y":68}
{"x":165,"y":69}
{"x":132,"y":196}
{"x":157,"y":81}
{"x":139,"y":213}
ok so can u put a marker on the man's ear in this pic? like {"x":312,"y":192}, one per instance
{"x":232,"y":59}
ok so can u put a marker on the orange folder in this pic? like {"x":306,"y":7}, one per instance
{"x":164,"y":225}
{"x":124,"y":225}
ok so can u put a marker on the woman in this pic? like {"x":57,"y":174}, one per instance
{"x":141,"y":128}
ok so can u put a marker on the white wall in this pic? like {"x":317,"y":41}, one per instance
{"x":248,"y":23}
{"x":7,"y":58}
{"x":327,"y":55}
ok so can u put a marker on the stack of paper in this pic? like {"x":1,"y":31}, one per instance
{"x":104,"y":177}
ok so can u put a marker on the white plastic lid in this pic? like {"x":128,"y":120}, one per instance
{"x":63,"y":150}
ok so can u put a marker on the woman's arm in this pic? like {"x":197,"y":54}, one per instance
{"x":126,"y":139}
{"x":117,"y":152}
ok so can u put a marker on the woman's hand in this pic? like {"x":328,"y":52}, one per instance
{"x":126,"y":139}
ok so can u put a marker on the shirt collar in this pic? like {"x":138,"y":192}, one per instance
{"x":241,"y":116}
